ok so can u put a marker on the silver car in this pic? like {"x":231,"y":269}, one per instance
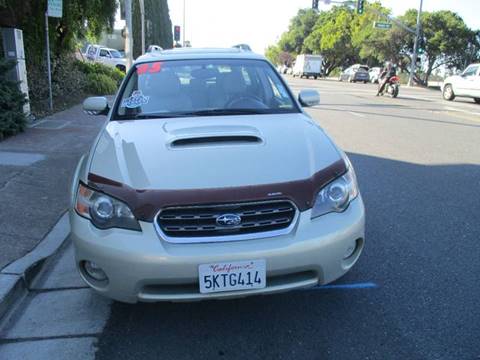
{"x":355,"y":73}
{"x":210,"y":181}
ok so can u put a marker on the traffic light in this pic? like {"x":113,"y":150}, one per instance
{"x":176,"y":33}
{"x":315,"y":4}
{"x":360,"y":6}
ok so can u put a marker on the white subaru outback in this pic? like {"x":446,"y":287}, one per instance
{"x":209,"y":181}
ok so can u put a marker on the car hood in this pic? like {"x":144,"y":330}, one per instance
{"x":212,"y":152}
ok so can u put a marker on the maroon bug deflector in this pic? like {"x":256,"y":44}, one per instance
{"x":145,"y":204}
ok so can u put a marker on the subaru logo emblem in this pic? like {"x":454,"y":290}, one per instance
{"x":228,"y":220}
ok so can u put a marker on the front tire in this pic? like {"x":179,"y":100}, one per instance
{"x":448,"y":93}
{"x":395,"y":92}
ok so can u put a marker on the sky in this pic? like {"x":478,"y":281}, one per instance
{"x":259,"y":23}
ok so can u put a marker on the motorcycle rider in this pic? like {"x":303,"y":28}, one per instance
{"x":387,"y":73}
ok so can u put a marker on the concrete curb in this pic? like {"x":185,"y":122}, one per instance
{"x":17,"y":277}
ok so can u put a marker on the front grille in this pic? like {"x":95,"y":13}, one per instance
{"x":201,"y":221}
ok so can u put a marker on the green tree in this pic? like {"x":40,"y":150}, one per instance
{"x":472,"y":50}
{"x":373,"y":45}
{"x":444,"y":39}
{"x":277,"y":56}
{"x":300,"y":27}
{"x":272,"y":53}
{"x":80,"y":17}
{"x":332,"y":38}
{"x":158,"y":26}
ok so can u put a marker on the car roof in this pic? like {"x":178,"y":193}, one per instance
{"x":198,"y":53}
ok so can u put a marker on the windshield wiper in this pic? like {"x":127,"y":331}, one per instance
{"x":151,"y":116}
{"x":219,"y":112}
{"x":207,"y":112}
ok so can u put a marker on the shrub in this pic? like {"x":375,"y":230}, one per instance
{"x":68,"y":84}
{"x":335,"y":72}
{"x":96,"y":68}
{"x":100,"y":84}
{"x":71,"y":81}
{"x":12,"y":118}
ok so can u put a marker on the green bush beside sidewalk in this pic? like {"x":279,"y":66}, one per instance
{"x":12,"y":118}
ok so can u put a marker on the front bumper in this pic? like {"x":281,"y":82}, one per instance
{"x":142,"y":267}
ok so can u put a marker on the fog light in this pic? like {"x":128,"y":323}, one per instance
{"x":94,"y":271}
{"x":350,"y":250}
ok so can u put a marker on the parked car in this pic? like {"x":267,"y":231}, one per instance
{"x":355,"y":73}
{"x":374,"y":74}
{"x":106,"y":56}
{"x":467,"y":84}
{"x":189,"y":193}
{"x":308,"y":66}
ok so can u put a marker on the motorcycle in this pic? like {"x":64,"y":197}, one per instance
{"x":393,"y":87}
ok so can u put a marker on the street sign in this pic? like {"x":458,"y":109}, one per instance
{"x":55,"y":8}
{"x":382,"y":25}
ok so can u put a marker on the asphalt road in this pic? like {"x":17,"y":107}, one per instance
{"x":417,"y":158}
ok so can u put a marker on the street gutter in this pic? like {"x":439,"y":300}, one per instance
{"x":16,"y":278}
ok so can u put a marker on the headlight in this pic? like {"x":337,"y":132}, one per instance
{"x":104,"y":211}
{"x":336,"y":196}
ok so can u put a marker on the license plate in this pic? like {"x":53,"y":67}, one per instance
{"x":232,"y":276}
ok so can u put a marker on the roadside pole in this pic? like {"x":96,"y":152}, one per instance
{"x":54,"y":9}
{"x":49,"y":71}
{"x":128,"y":33}
{"x":415,"y":46}
{"x":142,"y":19}
{"x":184,"y":32}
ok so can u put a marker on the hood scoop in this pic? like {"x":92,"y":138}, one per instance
{"x":215,"y":140}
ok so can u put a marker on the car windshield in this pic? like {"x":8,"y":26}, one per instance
{"x":116,"y":54}
{"x":362,"y":69}
{"x":203,"y":88}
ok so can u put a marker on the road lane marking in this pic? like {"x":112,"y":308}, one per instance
{"x":354,"y":286}
{"x":356,"y":114}
{"x":461,"y":110}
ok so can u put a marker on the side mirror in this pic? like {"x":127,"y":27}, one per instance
{"x":309,"y":97}
{"x":96,"y":105}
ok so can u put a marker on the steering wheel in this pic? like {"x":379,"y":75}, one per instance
{"x":246,"y":101}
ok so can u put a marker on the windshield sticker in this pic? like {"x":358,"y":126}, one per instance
{"x":137,"y":99}
{"x":142,"y":69}
{"x":156,"y":67}
{"x":150,"y":67}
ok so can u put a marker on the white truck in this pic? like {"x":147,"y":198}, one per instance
{"x":106,"y":56}
{"x":308,"y":65}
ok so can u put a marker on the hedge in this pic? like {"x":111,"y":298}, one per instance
{"x":12,"y":118}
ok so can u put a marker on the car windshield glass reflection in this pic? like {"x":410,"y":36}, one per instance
{"x":203,"y":88}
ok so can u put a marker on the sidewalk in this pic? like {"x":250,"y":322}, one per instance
{"x":36,"y":168}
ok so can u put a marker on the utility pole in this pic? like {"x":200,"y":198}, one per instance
{"x":142,"y":20}
{"x":184,"y":32}
{"x":49,"y":71}
{"x":415,"y":46}
{"x":128,"y":33}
